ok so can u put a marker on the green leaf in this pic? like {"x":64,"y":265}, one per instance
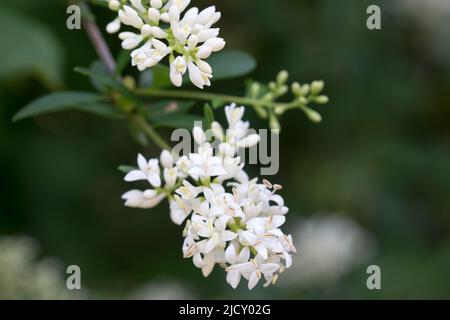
{"x":229,"y":64}
{"x":29,"y":48}
{"x":156,"y":77}
{"x":122,"y":61}
{"x":126,"y":169}
{"x":63,"y":101}
{"x":104,"y":110}
{"x":208,"y":116}
{"x":97,"y":67}
{"x":101,"y":78}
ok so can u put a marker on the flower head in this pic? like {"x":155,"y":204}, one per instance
{"x":161,"y":30}
{"x":236,"y":225}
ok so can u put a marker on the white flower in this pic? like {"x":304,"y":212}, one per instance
{"x":130,"y":40}
{"x":252,"y":271}
{"x":143,"y":199}
{"x":188,"y":191}
{"x":198,"y":77}
{"x":130,"y":17}
{"x":179,"y":210}
{"x":233,"y":258}
{"x":205,"y":165}
{"x":147,"y":171}
{"x":216,"y":233}
{"x":140,"y":56}
{"x":177,"y":69}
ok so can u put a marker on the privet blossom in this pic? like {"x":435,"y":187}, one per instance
{"x":230,"y":220}
{"x":163,"y":30}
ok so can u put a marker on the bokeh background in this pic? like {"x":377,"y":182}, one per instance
{"x":370,"y":185}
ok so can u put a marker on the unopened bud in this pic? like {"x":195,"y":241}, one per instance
{"x":321,"y":100}
{"x":273,"y":86}
{"x":296,"y":88}
{"x":305,"y":89}
{"x":317,"y":87}
{"x":114,"y":5}
{"x":313,"y":115}
{"x":282,"y":90}
{"x":255,"y":90}
{"x":283,"y":77}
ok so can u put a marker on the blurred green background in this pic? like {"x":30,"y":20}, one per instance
{"x":380,"y":158}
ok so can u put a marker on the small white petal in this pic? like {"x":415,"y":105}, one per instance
{"x":135,"y":175}
{"x":166,"y":159}
{"x":113,"y":26}
{"x":233,"y":278}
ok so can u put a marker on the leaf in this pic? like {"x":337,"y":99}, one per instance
{"x":97,"y":67}
{"x":156,"y":77}
{"x":101,"y":78}
{"x":70,"y":100}
{"x":29,"y":47}
{"x":229,"y":64}
{"x":208,"y":116}
{"x":126,"y":169}
{"x":123,"y":60}
{"x":104,"y":110}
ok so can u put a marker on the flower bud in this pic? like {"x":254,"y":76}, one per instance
{"x":166,"y":159}
{"x":305,"y":89}
{"x":317,"y":87}
{"x":113,"y":26}
{"x":321,"y":100}
{"x":153,"y":15}
{"x":146,"y":30}
{"x":255,"y":90}
{"x":114,"y":5}
{"x":157,"y":4}
{"x":282,"y":90}
{"x":313,"y":115}
{"x":282,"y":77}
{"x":296,"y":89}
{"x":273,"y":86}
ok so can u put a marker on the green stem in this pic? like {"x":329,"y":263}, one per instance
{"x":151,"y":132}
{"x":206,"y":96}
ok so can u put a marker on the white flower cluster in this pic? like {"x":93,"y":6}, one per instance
{"x":188,"y":40}
{"x":238,"y":229}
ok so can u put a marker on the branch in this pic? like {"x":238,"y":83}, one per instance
{"x":97,"y":40}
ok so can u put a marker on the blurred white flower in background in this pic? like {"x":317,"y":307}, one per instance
{"x":163,"y":289}
{"x":329,"y":248}
{"x":24,"y":277}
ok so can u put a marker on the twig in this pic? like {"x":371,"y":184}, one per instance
{"x":97,"y":40}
